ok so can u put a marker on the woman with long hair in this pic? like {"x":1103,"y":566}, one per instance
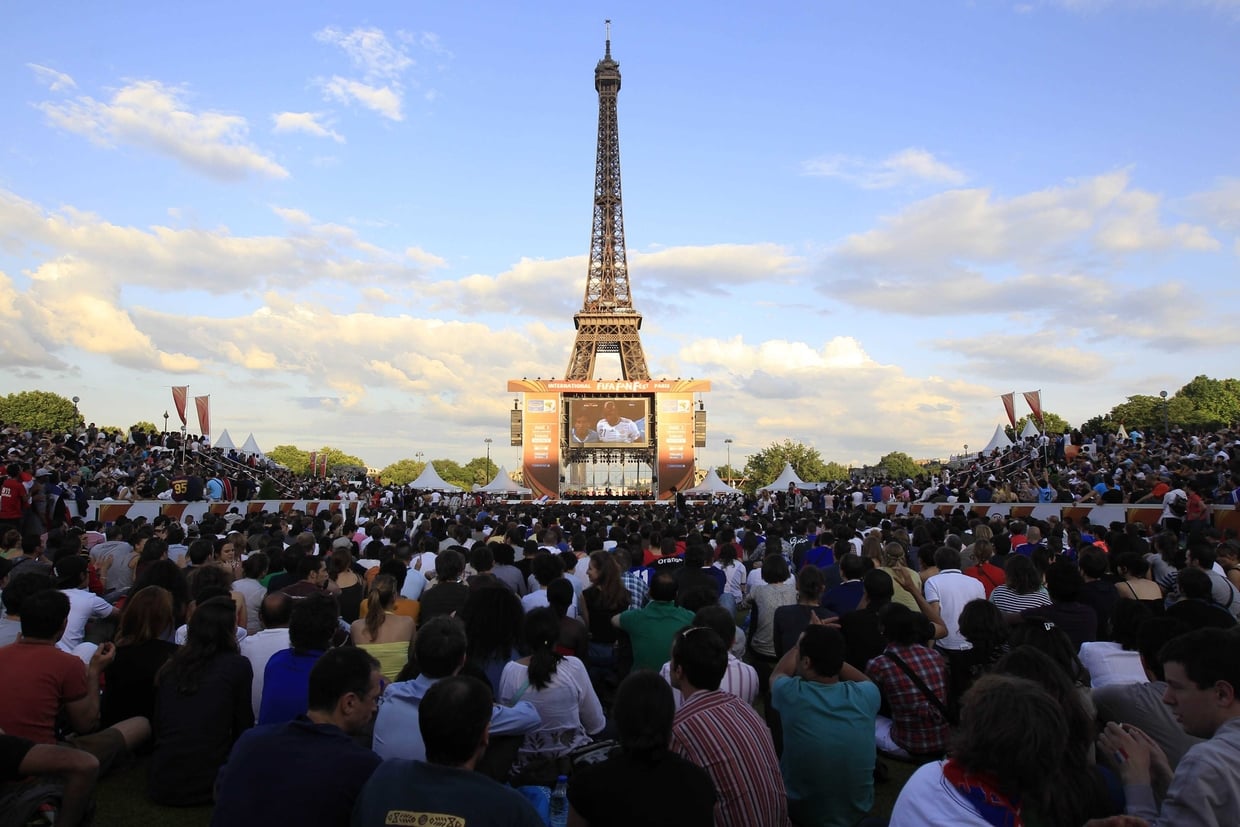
{"x":383,"y":633}
{"x":982,"y":570}
{"x":492,"y":615}
{"x":734,"y":574}
{"x":202,"y":706}
{"x":168,"y":575}
{"x":153,"y":550}
{"x":559,"y":687}
{"x":143,"y":645}
{"x":350,"y":590}
{"x":253,"y":570}
{"x":605,"y":598}
{"x":1135,"y":582}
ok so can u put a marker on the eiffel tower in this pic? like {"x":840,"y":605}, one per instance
{"x":607,"y":322}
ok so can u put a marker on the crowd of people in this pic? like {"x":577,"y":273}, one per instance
{"x":769,"y":660}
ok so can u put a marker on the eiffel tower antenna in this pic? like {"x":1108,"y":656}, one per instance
{"x":607,"y":322}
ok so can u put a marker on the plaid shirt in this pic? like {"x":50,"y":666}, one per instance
{"x":639,"y":590}
{"x":916,"y":723}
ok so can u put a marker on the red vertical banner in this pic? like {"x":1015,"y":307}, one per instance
{"x":179,"y":395}
{"x":675,"y":435}
{"x":541,"y":444}
{"x":1009,"y":405}
{"x":314,"y":463}
{"x":1034,"y":398}
{"x":203,"y":403}
{"x":324,"y":460}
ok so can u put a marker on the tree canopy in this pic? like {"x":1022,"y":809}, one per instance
{"x":899,"y":465}
{"x":1052,"y":424}
{"x":298,"y":461}
{"x":763,"y":467}
{"x":401,"y":472}
{"x":39,"y":411}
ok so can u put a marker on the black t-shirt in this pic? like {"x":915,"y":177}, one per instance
{"x":593,"y":793}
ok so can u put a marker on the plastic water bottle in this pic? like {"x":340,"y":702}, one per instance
{"x":559,"y":802}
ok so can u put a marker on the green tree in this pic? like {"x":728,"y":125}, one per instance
{"x":292,"y":458}
{"x":833,"y":471}
{"x":340,"y":464}
{"x":899,"y":465}
{"x":452,"y":472}
{"x":401,"y":472}
{"x":39,"y":411}
{"x":1052,"y":424}
{"x":1215,"y":401}
{"x":479,"y":471}
{"x":764,"y":467}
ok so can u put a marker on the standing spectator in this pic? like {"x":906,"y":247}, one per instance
{"x":723,"y":735}
{"x":202,"y":706}
{"x":828,"y":711}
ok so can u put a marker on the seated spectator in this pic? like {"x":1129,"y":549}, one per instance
{"x":251,"y":589}
{"x":84,"y":607}
{"x":1097,"y":591}
{"x":1141,"y":704}
{"x":39,"y":684}
{"x":985,"y":571}
{"x":1010,"y":731}
{"x":893,"y":556}
{"x":202,"y":706}
{"x":982,"y":624}
{"x":1116,"y":660}
{"x":846,"y":596}
{"x":559,"y":688}
{"x":651,"y":629}
{"x":312,"y":623}
{"x":383,"y":633}
{"x":1196,"y":605}
{"x":828,"y":711}
{"x":439,"y":650}
{"x":643,"y":716}
{"x":142,"y":648}
{"x":919,"y":706}
{"x":14,"y":596}
{"x":1022,"y":588}
{"x":275,"y":610}
{"x":792,"y":619}
{"x":74,"y":769}
{"x":574,"y":636}
{"x":605,"y":598}
{"x":447,"y":594}
{"x":492,"y":616}
{"x":265,"y":779}
{"x":1202,"y":669}
{"x":545,"y":568}
{"x":1136,"y":584}
{"x":455,"y":731}
{"x":1064,"y":584}
{"x":723,"y":735}
{"x":740,"y":679}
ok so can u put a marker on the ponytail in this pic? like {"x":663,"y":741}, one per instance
{"x":542,"y":630}
{"x":382,"y":595}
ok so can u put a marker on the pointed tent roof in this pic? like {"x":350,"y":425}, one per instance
{"x":1030,"y":430}
{"x":785,"y":476}
{"x":1122,"y":434}
{"x":225,"y":443}
{"x":250,"y":446}
{"x":502,"y":483}
{"x":999,"y":440}
{"x":711,"y":484}
{"x":429,"y":480}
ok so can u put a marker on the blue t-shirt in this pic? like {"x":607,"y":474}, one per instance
{"x":286,"y":686}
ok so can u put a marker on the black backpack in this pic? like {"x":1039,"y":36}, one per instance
{"x":1179,"y":505}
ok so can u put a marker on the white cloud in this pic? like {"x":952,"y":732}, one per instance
{"x":908,"y":166}
{"x":1220,"y":205}
{"x":153,"y":116}
{"x":307,"y":122}
{"x":385,"y":100}
{"x":370,"y":51}
{"x":1039,"y":356}
{"x":55,"y":81}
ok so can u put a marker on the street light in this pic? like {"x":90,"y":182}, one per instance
{"x":1166,"y":421}
{"x":76,"y":414}
{"x":728,"y":442}
{"x":165,"y":422}
{"x":488,"y":442}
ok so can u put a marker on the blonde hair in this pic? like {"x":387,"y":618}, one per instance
{"x":894,"y":555}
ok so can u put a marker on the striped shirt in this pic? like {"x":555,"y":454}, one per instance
{"x":719,"y":733}
{"x":1006,"y":600}
{"x":740,"y":680}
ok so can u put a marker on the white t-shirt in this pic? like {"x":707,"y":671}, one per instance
{"x":258,"y":649}
{"x":83,"y":607}
{"x":927,"y":798}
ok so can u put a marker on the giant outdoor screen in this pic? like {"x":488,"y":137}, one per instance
{"x":608,"y":423}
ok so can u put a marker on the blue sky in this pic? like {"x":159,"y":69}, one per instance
{"x":350,"y":224}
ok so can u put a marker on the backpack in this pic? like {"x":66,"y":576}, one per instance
{"x":1179,"y":505}
{"x":34,"y":802}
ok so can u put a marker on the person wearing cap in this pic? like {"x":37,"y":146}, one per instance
{"x":84,"y":606}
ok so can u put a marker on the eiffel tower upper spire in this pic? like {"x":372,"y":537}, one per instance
{"x":607,"y":322}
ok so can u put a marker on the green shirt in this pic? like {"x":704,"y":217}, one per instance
{"x":651,"y":631}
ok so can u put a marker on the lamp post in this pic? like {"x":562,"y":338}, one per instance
{"x":1166,"y":420}
{"x":165,"y":423}
{"x":488,"y":473}
{"x":77,"y":416}
{"x":728,"y":442}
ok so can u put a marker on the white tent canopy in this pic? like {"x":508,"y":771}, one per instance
{"x":429,"y":480}
{"x":1122,"y":434}
{"x":250,"y":446}
{"x":225,"y":443}
{"x":502,"y":484}
{"x":999,"y":440}
{"x":711,"y":484}
{"x":785,"y":476}
{"x":1030,"y":430}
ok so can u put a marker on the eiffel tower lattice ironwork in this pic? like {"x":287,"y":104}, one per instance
{"x":607,"y":322}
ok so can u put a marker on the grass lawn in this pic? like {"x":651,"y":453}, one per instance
{"x":122,"y":800}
